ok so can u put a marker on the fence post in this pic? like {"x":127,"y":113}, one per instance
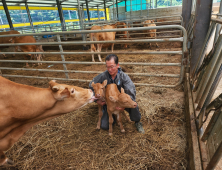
{"x":62,"y":56}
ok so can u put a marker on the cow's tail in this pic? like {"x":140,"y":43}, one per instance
{"x":93,"y":48}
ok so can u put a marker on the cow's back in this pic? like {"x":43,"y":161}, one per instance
{"x":26,"y":39}
{"x":111,"y":90}
{"x":7,"y":39}
{"x":109,"y":36}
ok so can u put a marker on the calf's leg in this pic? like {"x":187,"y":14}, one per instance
{"x":100,"y":116}
{"x":110,"y":123}
{"x":99,"y":48}
{"x":120,"y":122}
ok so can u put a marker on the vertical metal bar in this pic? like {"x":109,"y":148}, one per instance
{"x":117,"y":12}
{"x":156,"y":3}
{"x":201,"y":26}
{"x":7,"y":14}
{"x":209,"y":96}
{"x":218,"y":25}
{"x":203,"y":50}
{"x":114,"y":10}
{"x":208,"y":78}
{"x":87,"y":10}
{"x":186,"y":12}
{"x":98,"y":12}
{"x":62,"y":56}
{"x":29,"y":16}
{"x":215,"y":159}
{"x":131,"y":9}
{"x":150,"y":4}
{"x":125,"y":6}
{"x":105,"y":9}
{"x":141,"y":1}
{"x":61,"y":15}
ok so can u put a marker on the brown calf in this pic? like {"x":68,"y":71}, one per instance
{"x":102,"y":36}
{"x":4,"y":40}
{"x":116,"y":99}
{"x":99,"y":91}
{"x":28,"y":48}
{"x":150,"y":33}
{"x":22,"y":107}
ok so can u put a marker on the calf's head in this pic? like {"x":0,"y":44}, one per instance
{"x":99,"y":89}
{"x":71,"y":97}
{"x":123,"y":100}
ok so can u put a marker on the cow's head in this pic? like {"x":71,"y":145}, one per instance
{"x":72,"y":97}
{"x":99,"y":89}
{"x":124,"y":100}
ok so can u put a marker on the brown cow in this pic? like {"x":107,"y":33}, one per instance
{"x":28,"y":48}
{"x":99,"y":91}
{"x":102,"y":36}
{"x":150,"y":33}
{"x":122,"y":25}
{"x":4,"y":40}
{"x":22,"y":107}
{"x":116,"y":99}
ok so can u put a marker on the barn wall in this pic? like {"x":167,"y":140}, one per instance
{"x":158,"y":12}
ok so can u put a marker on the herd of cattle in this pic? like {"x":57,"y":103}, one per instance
{"x":110,"y":36}
{"x":100,"y":36}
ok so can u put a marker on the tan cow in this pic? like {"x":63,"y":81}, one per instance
{"x":4,"y":40}
{"x":150,"y":33}
{"x":28,"y":48}
{"x":102,"y":36}
{"x":122,"y":25}
{"x":22,"y":107}
{"x":116,"y":99}
{"x":99,"y":91}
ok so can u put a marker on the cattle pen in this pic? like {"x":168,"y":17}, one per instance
{"x":177,"y":81}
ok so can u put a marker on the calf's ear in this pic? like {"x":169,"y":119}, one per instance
{"x":92,"y":84}
{"x":122,"y":90}
{"x":104,"y":83}
{"x":112,"y":99}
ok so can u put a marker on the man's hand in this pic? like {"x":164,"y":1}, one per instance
{"x":120,"y":108}
{"x":100,"y":102}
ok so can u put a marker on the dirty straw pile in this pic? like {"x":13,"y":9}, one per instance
{"x":72,"y":141}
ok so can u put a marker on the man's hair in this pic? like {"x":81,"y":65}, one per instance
{"x":112,"y":56}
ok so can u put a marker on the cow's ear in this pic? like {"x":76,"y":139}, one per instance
{"x":65,"y":93}
{"x":112,"y":99}
{"x":104,"y":83}
{"x":92,"y":84}
{"x":122,"y":90}
{"x":53,"y":86}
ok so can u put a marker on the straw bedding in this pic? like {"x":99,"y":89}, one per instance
{"x":72,"y":141}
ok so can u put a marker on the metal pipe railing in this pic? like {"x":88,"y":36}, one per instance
{"x":181,"y":39}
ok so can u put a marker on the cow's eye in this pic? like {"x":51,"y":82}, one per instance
{"x":72,"y":91}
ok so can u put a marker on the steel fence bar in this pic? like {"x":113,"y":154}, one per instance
{"x":90,"y":53}
{"x":93,"y":63}
{"x":82,"y":80}
{"x":62,"y":56}
{"x":90,"y":72}
{"x":106,"y":30}
{"x":96,"y":42}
